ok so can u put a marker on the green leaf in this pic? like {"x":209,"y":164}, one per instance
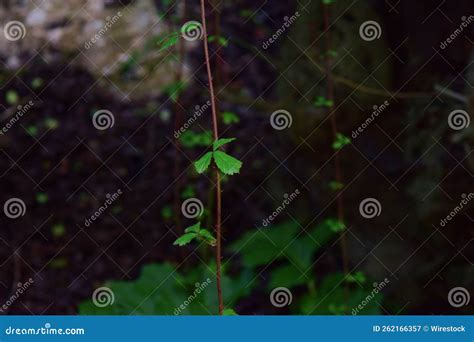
{"x":207,"y":236}
{"x":265,"y":245}
{"x":229,"y":312}
{"x":341,"y":141}
{"x":36,"y":83}
{"x":174,"y":90}
{"x":321,"y":101}
{"x":335,"y":225}
{"x":58,"y":230}
{"x":328,"y":2}
{"x":194,"y":228}
{"x":229,"y":118}
{"x":221,"y":142}
{"x":227,"y":164}
{"x":168,"y":41}
{"x":12,"y":97}
{"x":188,"y":192}
{"x":220,"y":40}
{"x":203,"y":163}
{"x":333,"y":185}
{"x":166,"y":212}
{"x":287,"y":276}
{"x":357,"y":277}
{"x":42,"y":197}
{"x":185,"y":239}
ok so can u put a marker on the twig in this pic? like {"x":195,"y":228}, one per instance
{"x":218,"y":178}
{"x":177,"y":124}
{"x":337,"y":162}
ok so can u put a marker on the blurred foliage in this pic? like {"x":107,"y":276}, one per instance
{"x":161,"y":289}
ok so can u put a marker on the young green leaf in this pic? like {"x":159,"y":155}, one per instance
{"x":185,"y":239}
{"x":321,"y":101}
{"x":341,"y":141}
{"x":194,"y":228}
{"x":227,"y":164}
{"x":203,"y":163}
{"x":221,"y":142}
{"x":335,"y":225}
{"x":207,"y":236}
{"x":168,"y":41}
{"x":229,"y":312}
{"x":229,"y":118}
{"x":335,"y":186}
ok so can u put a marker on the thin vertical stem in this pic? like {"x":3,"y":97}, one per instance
{"x":179,"y":112}
{"x":332,"y":114}
{"x":218,"y":177}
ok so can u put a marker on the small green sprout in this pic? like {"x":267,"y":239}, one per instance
{"x":227,"y":164}
{"x":195,"y":232}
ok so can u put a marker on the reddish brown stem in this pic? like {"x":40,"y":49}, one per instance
{"x":332,"y":114}
{"x":218,"y":177}
{"x":179,"y":113}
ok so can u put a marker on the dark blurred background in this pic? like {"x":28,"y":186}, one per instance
{"x":71,"y":59}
